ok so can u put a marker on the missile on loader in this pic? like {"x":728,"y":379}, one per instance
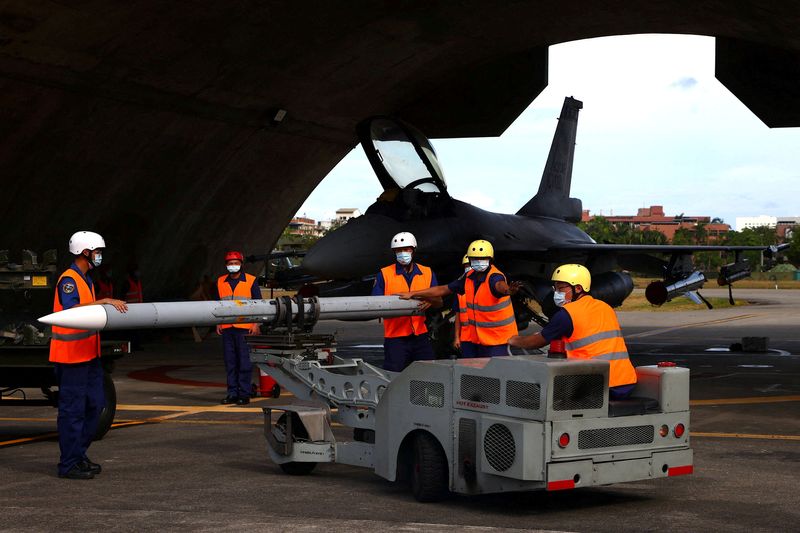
{"x":301,"y":313}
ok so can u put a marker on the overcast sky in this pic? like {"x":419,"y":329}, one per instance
{"x":656,"y":128}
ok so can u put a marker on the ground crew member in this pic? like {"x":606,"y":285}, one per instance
{"x":487,"y":318}
{"x":237,"y":285}
{"x":460,"y":302}
{"x":105,"y":283}
{"x":589,"y":328}
{"x":133,"y":286}
{"x":76,"y":356}
{"x":405,"y":338}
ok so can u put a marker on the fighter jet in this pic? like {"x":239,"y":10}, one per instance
{"x":528,"y":244}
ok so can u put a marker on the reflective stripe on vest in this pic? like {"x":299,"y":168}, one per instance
{"x":243,"y":291}
{"x":134,"y":294}
{"x":485,"y":319}
{"x":394,"y":283}
{"x":596,"y":335}
{"x":68,"y":345}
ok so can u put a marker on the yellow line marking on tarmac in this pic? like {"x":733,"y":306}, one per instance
{"x":743,"y":401}
{"x":685,"y":326}
{"x":744,"y":436}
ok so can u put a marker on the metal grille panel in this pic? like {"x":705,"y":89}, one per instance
{"x":579,"y":391}
{"x":480,"y":389}
{"x":426,"y":393}
{"x":523,"y":394}
{"x":466,"y":447}
{"x":610,"y":437}
{"x":499,"y":447}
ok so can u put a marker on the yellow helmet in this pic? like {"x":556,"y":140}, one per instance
{"x":574,"y":275}
{"x":480,"y":248}
{"x":465,"y":261}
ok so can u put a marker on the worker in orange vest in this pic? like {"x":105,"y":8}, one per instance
{"x":589,"y":328}
{"x":105,"y":283}
{"x":133,"y":286}
{"x":405,"y":338}
{"x":75,"y":354}
{"x":237,"y":285}
{"x":460,"y":302}
{"x":487,"y":318}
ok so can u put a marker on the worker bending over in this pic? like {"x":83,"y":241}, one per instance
{"x":589,"y":328}
{"x":486,"y":319}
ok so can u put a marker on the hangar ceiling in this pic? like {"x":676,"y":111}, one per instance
{"x":150,"y":121}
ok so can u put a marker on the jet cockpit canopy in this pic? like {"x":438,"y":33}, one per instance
{"x":401,"y":155}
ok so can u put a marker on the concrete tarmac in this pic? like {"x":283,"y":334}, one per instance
{"x":177,"y":459}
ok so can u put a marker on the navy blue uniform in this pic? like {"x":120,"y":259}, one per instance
{"x":80,"y":392}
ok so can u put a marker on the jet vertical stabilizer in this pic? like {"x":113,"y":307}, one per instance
{"x":553,"y":199}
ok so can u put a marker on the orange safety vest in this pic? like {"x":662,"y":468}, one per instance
{"x":394,"y":283}
{"x":104,"y":290}
{"x":134,"y":294}
{"x":596,"y":335}
{"x":74,"y":345}
{"x":243,"y":291}
{"x":485,"y":320}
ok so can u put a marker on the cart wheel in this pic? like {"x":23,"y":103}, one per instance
{"x":276,"y":391}
{"x":293,"y":468}
{"x":110,"y":408}
{"x":428,"y":469}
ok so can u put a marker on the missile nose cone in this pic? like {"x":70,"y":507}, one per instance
{"x":89,"y":317}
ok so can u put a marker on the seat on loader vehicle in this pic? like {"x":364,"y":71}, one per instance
{"x":633,"y":406}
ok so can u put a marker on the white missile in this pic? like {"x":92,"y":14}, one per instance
{"x":279,"y":311}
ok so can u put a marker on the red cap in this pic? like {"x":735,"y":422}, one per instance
{"x":666,"y":364}
{"x":233,"y":254}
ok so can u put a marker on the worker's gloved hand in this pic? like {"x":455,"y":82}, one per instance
{"x":513,"y":287}
{"x":423,"y":305}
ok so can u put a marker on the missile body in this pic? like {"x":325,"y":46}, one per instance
{"x":277,"y":312}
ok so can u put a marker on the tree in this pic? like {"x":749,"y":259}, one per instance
{"x":793,"y":254}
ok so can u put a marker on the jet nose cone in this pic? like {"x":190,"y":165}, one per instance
{"x":357,"y":249}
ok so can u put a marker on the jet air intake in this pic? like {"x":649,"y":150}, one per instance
{"x":658,"y":292}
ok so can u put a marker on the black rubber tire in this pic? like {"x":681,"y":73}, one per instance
{"x":429,"y":471}
{"x":294,"y":468}
{"x":110,"y":409}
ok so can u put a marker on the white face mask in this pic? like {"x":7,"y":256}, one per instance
{"x":97,"y":260}
{"x":559,"y":298}
{"x":479,"y":265}
{"x":233,"y":269}
{"x":467,"y":269}
{"x":404,"y":258}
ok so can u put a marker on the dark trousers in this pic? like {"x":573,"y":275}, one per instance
{"x":80,"y":400}
{"x":399,"y":352}
{"x":472,"y":349}
{"x":238,"y":367}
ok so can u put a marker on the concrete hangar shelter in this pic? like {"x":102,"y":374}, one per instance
{"x":154,"y":122}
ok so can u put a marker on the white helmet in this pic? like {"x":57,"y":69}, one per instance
{"x":85,"y":240}
{"x":403,"y":240}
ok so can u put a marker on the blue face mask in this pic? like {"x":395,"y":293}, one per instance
{"x":467,"y":269}
{"x":479,"y":265}
{"x":404,"y":258}
{"x":559,"y":298}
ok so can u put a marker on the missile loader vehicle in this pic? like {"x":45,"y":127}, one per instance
{"x":476,"y":426}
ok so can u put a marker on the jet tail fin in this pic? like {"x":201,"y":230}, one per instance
{"x":552,"y":199}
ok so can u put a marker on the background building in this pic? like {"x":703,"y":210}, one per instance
{"x":653,"y":219}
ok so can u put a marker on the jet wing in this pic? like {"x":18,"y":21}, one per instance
{"x":662,"y":248}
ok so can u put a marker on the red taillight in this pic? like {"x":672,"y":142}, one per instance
{"x":663,"y":430}
{"x":563,"y":440}
{"x":679,"y":430}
